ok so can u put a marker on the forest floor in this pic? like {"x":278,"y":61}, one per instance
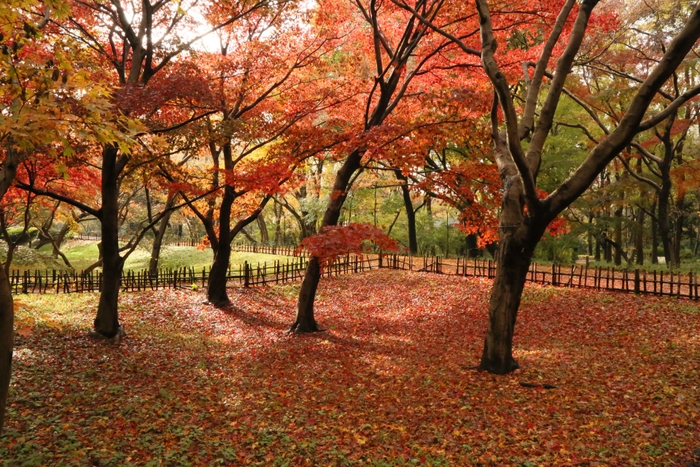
{"x":389,"y":383}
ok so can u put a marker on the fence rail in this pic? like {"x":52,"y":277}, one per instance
{"x":291,"y":270}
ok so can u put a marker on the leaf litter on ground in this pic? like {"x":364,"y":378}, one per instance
{"x":605,"y":379}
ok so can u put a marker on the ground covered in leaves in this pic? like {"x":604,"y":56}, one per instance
{"x":390,"y":382}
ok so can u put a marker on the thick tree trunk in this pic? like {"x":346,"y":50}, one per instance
{"x":518,"y":238}
{"x":507,"y":289}
{"x":216,"y":287}
{"x":216,"y":292}
{"x":8,"y":170}
{"x":6,"y":342}
{"x":305,"y":321}
{"x":107,"y":319}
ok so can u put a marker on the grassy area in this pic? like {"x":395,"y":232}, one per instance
{"x":390,"y":383}
{"x":82,"y":254}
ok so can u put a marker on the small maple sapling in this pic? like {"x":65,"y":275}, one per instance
{"x":334,"y":241}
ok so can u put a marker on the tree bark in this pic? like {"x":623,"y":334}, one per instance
{"x":618,"y":236}
{"x":158,"y":238}
{"x":639,"y":237}
{"x":277,"y":209}
{"x":410,"y":213}
{"x":517,"y":241}
{"x":305,"y":320}
{"x":678,"y":229}
{"x":589,"y":235}
{"x":216,"y":287}
{"x":262,"y":225}
{"x":107,"y":320}
{"x":664,"y":224}
{"x":6,"y":341}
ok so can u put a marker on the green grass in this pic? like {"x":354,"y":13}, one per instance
{"x":687,"y":265}
{"x":82,"y":254}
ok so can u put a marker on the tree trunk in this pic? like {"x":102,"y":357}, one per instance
{"x":618,"y":237}
{"x":654,"y":237}
{"x":664,"y":221}
{"x":507,"y":289}
{"x":471,"y":245}
{"x":56,"y":243}
{"x":6,"y":342}
{"x":410,"y":213}
{"x":305,"y":321}
{"x":107,"y":319}
{"x":216,"y":292}
{"x":216,"y":287}
{"x":607,"y":249}
{"x":158,"y":239}
{"x":264,"y":236}
{"x":589,"y":235}
{"x":517,"y":241}
{"x":277,"y":209}
{"x":639,"y":237}
{"x":678,"y":230}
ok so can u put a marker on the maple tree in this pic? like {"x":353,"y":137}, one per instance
{"x":524,"y":216}
{"x":46,"y":101}
{"x":399,"y":57}
{"x":134,"y":49}
{"x":263,"y":98}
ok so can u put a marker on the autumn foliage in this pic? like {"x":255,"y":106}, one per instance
{"x":389,"y":383}
{"x":357,"y":238}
